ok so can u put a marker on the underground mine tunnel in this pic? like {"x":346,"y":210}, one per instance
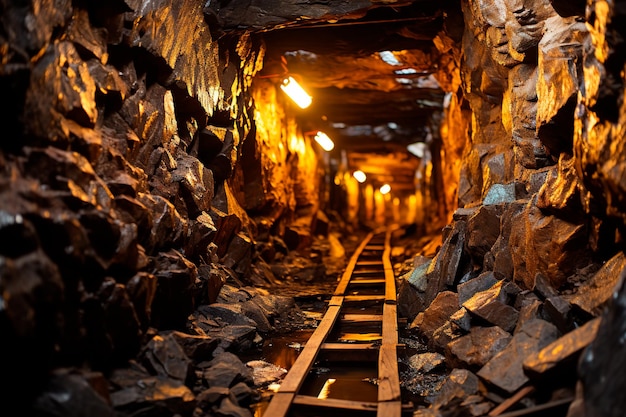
{"x":179,"y":232}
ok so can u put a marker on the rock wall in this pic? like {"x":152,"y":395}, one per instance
{"x":539,"y":232}
{"x":533,"y":166}
{"x":135,"y":145}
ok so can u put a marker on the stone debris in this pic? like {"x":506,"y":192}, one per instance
{"x":474,"y":350}
{"x":264,"y":373}
{"x":493,"y":305}
{"x":594,"y":295}
{"x":149,"y":206}
{"x":505,"y":369}
{"x":426,"y":362}
{"x":563,"y":351}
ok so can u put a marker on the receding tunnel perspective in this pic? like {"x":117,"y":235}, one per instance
{"x":313,"y":208}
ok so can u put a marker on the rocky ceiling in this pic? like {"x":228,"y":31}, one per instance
{"x":369,"y":65}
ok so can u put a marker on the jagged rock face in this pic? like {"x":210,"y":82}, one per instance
{"x":134,"y":180}
{"x":556,"y":84}
{"x":122,"y":189}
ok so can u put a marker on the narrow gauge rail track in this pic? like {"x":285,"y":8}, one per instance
{"x":360,"y":327}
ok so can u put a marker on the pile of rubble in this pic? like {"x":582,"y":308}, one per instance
{"x":193,"y":372}
{"x":500,"y":337}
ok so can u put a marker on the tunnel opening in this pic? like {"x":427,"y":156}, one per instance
{"x":174,"y":230}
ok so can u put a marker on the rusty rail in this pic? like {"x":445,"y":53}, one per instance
{"x":369,"y":267}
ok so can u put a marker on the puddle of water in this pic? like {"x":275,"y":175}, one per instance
{"x":359,"y":337}
{"x":355,"y":382}
{"x":362,"y":290}
{"x":366,"y":307}
{"x":356,"y":332}
{"x":281,"y":350}
{"x":351,"y":381}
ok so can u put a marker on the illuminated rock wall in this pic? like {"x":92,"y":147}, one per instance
{"x":543,"y":154}
{"x":541,"y":198}
{"x":139,"y":169}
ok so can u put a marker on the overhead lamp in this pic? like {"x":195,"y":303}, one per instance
{"x":324,"y":141}
{"x":418,"y":149}
{"x":385,"y":189}
{"x":389,"y":57}
{"x":295,"y":92}
{"x":359,"y":176}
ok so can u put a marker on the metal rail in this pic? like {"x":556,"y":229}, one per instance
{"x":369,"y":267}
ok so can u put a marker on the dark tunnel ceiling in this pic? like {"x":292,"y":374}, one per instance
{"x":333,"y":47}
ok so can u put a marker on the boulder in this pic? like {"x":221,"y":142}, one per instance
{"x":505,"y":369}
{"x":548,"y":245}
{"x":165,"y":357}
{"x":437,"y":314}
{"x":562,"y":353}
{"x":594,"y":296}
{"x":80,"y":394}
{"x":493,"y":305}
{"x":475,"y":349}
{"x":604,"y":360}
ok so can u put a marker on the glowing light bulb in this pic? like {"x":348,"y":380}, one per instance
{"x":385,"y":189}
{"x":296,"y":92}
{"x":324,"y":141}
{"x":359,"y":176}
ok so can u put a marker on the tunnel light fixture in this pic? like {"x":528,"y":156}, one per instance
{"x":324,"y":141}
{"x":385,"y":189}
{"x":359,"y":176}
{"x":418,"y":149}
{"x":405,"y":81}
{"x":406,"y":71}
{"x":389,"y":57}
{"x":295,"y":92}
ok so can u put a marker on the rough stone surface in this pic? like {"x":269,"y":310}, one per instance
{"x":484,"y":229}
{"x":120,"y":147}
{"x":460,"y":384}
{"x":604,"y":359}
{"x":562,"y":352}
{"x":426,"y":362}
{"x":547,"y":245}
{"x":435,"y":316}
{"x":505,"y":369}
{"x":493,"y":305}
{"x":164,"y":357}
{"x":80,"y":396}
{"x":474,"y":350}
{"x":225,"y":370}
{"x":468,"y":289}
{"x":594,"y":295}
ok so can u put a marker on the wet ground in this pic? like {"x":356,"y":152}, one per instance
{"x":344,"y":379}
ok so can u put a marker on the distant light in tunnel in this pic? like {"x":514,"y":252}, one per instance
{"x":359,"y":176}
{"x":446,"y":100}
{"x":306,"y":56}
{"x":389,"y":58}
{"x":392,"y":125}
{"x":296,"y":92}
{"x":385,"y":189}
{"x":428,"y":82}
{"x":324,"y":141}
{"x":406,"y":71}
{"x":418,"y":149}
{"x":428,"y":103}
